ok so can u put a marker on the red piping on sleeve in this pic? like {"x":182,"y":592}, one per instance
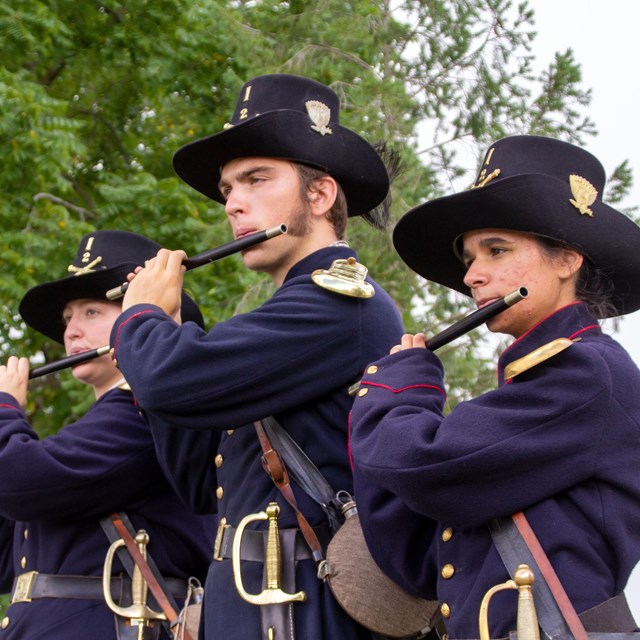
{"x":135,"y":315}
{"x":411,"y":386}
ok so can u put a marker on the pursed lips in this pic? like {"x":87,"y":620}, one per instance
{"x":485,"y":301}
{"x":244,"y":232}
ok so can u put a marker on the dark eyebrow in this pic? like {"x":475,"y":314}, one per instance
{"x":488,"y":242}
{"x":244,"y":175}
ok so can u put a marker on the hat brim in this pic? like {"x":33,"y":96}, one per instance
{"x":287,"y":134}
{"x":539,"y":204}
{"x":42,"y":306}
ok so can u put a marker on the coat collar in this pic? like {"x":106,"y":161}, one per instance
{"x":569,"y":322}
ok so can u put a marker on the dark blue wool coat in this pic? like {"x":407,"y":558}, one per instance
{"x":560,"y":442}
{"x":53,"y":493}
{"x":294,"y":357}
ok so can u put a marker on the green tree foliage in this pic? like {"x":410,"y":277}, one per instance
{"x":95,"y":97}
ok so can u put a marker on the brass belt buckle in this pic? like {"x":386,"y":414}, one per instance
{"x":24,"y":582}
{"x":217,"y":546}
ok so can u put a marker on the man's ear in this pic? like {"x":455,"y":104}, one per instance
{"x":322,"y":195}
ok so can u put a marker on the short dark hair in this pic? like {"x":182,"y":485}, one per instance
{"x":593,"y":286}
{"x":338,"y":213}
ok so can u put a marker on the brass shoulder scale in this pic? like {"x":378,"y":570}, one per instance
{"x":537,"y":356}
{"x":346,"y":277}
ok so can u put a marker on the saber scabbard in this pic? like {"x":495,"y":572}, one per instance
{"x":235,"y":246}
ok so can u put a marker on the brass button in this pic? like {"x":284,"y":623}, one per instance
{"x":363,"y":392}
{"x":218,"y":460}
{"x":447,"y":571}
{"x":23,"y":562}
{"x":372,"y":369}
{"x":230,"y":432}
{"x":445,"y":610}
{"x":26,"y":534}
{"x":447,"y":534}
{"x":5,"y":622}
{"x":219,"y":493}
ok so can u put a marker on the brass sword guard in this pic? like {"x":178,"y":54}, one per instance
{"x":273,"y":594}
{"x":527,"y":620}
{"x":138,"y":612}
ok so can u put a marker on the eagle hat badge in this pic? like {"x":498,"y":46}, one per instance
{"x":320,"y":115}
{"x":584,"y":194}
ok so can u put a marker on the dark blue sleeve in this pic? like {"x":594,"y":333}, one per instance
{"x":97,"y":464}
{"x":500,"y":453}
{"x":6,"y":558}
{"x":303,"y":343}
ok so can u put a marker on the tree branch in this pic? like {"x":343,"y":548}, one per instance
{"x":84,"y":213}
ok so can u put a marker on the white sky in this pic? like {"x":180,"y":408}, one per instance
{"x":606,"y":42}
{"x":605,"y":39}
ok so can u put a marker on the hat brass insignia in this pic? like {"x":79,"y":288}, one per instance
{"x":584,"y":193}
{"x":320,"y":115}
{"x":483,"y":178}
{"x":346,"y":277}
{"x":89,"y":268}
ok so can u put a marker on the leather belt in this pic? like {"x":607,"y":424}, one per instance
{"x":33,"y":585}
{"x":254,"y":543}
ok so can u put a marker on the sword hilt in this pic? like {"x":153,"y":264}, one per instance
{"x":138,"y":612}
{"x":527,"y":620}
{"x":273,"y":594}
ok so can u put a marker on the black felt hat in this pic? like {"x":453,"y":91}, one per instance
{"x":531,"y":184}
{"x":293,"y":118}
{"x":103,"y":260}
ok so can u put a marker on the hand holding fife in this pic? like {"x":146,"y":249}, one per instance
{"x":159,"y":282}
{"x":410,"y":341}
{"x":14,"y":377}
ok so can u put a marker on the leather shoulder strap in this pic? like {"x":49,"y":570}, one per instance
{"x":274,"y":466}
{"x":556,"y":614}
{"x":304,"y":473}
{"x":550,"y":576}
{"x":123,"y":528}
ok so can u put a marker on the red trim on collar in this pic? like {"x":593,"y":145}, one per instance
{"x":528,"y":331}
{"x":577,"y":333}
{"x":9,"y":406}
